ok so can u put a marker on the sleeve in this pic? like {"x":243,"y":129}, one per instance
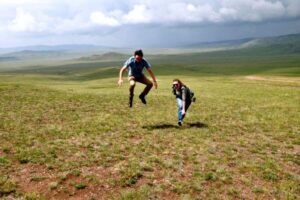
{"x":183,"y":90}
{"x":127,"y":63}
{"x":146,"y":64}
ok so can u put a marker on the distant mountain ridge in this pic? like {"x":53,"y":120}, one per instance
{"x":8,"y":58}
{"x":219,"y":44}
{"x":286,"y":44}
{"x":105,"y":56}
{"x":67,"y":47}
{"x":212,"y":44}
{"x":249,"y":42}
{"x":30,"y":54}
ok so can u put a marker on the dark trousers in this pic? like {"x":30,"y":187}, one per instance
{"x":144,"y":80}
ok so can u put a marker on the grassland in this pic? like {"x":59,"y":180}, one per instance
{"x":66,"y":131}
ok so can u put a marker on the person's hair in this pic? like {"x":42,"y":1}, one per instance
{"x":179,"y":81}
{"x":139,"y":52}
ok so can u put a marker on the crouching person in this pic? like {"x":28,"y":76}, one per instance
{"x":184,"y":98}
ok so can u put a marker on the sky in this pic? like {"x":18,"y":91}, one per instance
{"x":143,"y":23}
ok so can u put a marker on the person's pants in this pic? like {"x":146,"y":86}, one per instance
{"x":144,"y":80}
{"x":180,"y":106}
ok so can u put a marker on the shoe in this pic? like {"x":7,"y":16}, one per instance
{"x":194,"y":99}
{"x":142,"y":98}
{"x":180,"y":123}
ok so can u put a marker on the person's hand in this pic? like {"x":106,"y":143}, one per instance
{"x":183,"y":112}
{"x":155,"y":84}
{"x":120,"y":82}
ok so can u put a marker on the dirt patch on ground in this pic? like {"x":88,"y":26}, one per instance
{"x":37,"y":178}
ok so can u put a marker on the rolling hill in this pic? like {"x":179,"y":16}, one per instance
{"x":273,"y":55}
{"x":286,"y":44}
{"x":104,"y":57}
{"x":66,"y":131}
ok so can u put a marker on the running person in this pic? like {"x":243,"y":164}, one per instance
{"x":135,"y":65}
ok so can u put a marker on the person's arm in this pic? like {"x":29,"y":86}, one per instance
{"x":153,"y":77}
{"x":120,"y":82}
{"x":183,"y":100}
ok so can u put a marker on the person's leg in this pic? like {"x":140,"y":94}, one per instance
{"x":187,"y":105}
{"x":180,"y":116}
{"x":144,"y":80}
{"x":131,"y":90}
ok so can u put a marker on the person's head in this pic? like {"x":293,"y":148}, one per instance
{"x":177,"y":84}
{"x":138,"y":55}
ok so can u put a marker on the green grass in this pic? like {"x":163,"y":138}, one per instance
{"x":63,"y":137}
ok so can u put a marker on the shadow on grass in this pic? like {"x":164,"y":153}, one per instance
{"x":168,"y":126}
{"x":197,"y":125}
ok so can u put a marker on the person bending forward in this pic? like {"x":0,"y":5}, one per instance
{"x":184,"y":98}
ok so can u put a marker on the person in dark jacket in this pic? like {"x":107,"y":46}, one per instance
{"x":184,"y":98}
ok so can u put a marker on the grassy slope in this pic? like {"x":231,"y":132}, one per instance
{"x":66,"y":137}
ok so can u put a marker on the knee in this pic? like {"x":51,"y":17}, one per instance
{"x":132,"y":83}
{"x":150,"y":84}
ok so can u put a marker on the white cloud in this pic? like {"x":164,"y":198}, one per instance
{"x":293,"y":8}
{"x":139,"y":14}
{"x":102,"y":19}
{"x":75,"y":24}
{"x":200,"y":13}
{"x":228,"y":13}
{"x":58,"y":16}
{"x":19,"y":2}
{"x":62,"y":18}
{"x":252,"y":10}
{"x":23,"y":21}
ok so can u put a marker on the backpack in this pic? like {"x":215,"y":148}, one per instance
{"x":190,"y":94}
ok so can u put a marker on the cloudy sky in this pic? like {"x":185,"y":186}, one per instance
{"x":143,"y":23}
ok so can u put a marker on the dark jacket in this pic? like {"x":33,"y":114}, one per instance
{"x":184,"y":93}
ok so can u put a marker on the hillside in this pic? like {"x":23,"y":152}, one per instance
{"x":288,"y":44}
{"x":67,"y":47}
{"x":271,"y":56}
{"x":72,"y":139}
{"x":30,"y":54}
{"x":104,"y":57}
{"x":219,"y":44}
{"x":278,"y":44}
{"x":66,"y":131}
{"x":8,"y":58}
{"x":246,"y":61}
